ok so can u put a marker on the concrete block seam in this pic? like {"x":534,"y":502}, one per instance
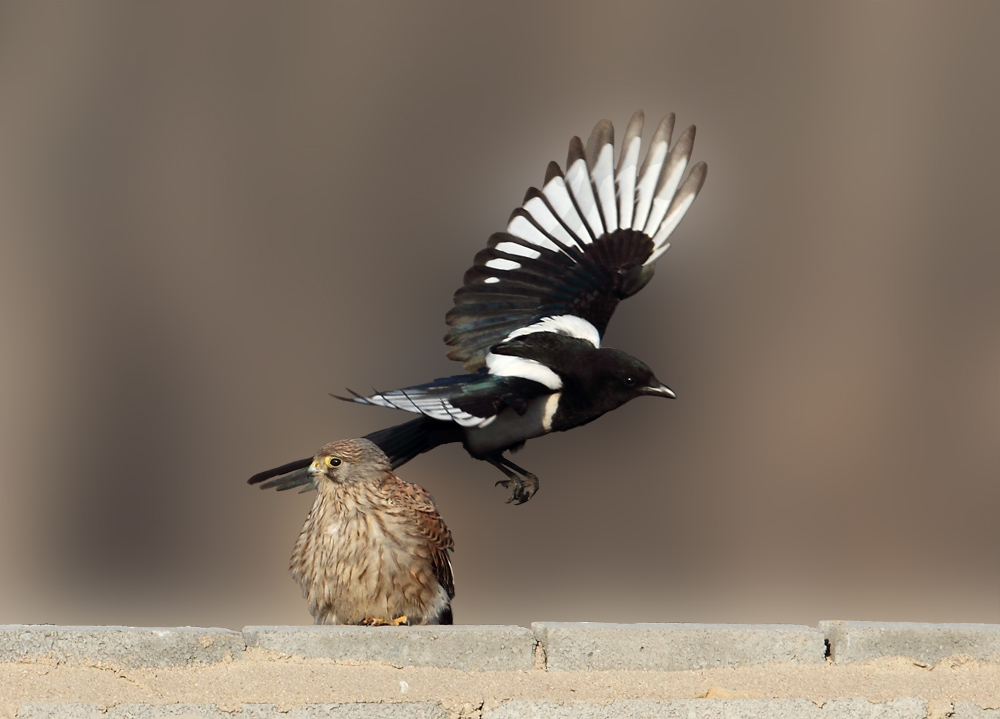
{"x":923,"y":643}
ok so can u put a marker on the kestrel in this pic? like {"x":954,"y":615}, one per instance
{"x":528,"y":320}
{"x":374,"y":549}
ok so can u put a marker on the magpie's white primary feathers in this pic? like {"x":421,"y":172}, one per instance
{"x":472,"y":400}
{"x":578,"y":183}
{"x":600,"y":155}
{"x":628,"y":167}
{"x":417,"y":400}
{"x":582,"y":243}
{"x":649,"y":175}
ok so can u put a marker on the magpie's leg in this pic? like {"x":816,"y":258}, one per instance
{"x":521,"y":483}
{"x":529,"y":484}
{"x":513,"y":482}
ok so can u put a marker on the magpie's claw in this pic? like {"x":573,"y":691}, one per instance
{"x":521,"y":490}
{"x":528,"y":487}
{"x":521,"y":483}
{"x":516,"y":487}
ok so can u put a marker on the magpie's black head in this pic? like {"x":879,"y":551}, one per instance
{"x":623,"y":376}
{"x":607,"y":379}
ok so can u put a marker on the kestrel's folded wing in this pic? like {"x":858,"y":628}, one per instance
{"x":437,"y":543}
{"x":472,"y":400}
{"x":578,"y":246}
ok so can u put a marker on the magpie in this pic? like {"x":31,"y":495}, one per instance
{"x":529,"y":316}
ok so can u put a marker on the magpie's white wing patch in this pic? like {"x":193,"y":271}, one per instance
{"x":513,"y":366}
{"x":569,"y":325}
{"x":586,"y":240}
{"x":508,"y":366}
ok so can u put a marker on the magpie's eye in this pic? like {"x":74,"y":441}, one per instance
{"x":630,"y":381}
{"x":333,"y":461}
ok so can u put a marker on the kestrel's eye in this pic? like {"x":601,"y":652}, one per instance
{"x":333,"y":461}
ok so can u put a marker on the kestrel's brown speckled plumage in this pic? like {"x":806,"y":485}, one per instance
{"x":374,"y":549}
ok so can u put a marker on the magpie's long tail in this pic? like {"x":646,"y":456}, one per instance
{"x":287,"y":476}
{"x":400,"y":443}
{"x":405,"y":441}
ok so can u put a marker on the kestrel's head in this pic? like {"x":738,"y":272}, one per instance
{"x":348,"y":461}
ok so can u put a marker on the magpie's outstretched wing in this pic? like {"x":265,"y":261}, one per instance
{"x":587,"y":240}
{"x":471,"y":400}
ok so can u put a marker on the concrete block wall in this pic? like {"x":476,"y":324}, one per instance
{"x":526,"y":660}
{"x":470,"y":648}
{"x":674,"y":647}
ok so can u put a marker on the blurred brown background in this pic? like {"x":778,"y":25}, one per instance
{"x":211,"y":215}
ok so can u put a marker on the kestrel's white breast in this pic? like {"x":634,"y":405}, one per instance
{"x":361,"y":557}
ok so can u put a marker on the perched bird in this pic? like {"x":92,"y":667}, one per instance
{"x":528,"y":320}
{"x":374,"y":549}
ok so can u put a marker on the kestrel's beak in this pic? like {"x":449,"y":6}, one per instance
{"x":659,"y":390}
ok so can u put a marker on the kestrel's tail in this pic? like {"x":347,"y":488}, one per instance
{"x":400,"y":443}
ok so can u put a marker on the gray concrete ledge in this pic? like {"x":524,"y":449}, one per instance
{"x":561,"y":646}
{"x":925,"y":643}
{"x":470,"y":648}
{"x":903,"y":708}
{"x":588,"y":646}
{"x":125,"y":646}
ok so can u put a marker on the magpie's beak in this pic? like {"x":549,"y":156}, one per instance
{"x":659,"y":390}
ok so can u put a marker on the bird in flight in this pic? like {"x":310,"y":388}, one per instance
{"x":529,"y":317}
{"x":374,"y":549}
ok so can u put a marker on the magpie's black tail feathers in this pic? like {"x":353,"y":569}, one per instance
{"x":400,"y":443}
{"x":286,"y":476}
{"x":405,"y":441}
{"x":283,"y":469}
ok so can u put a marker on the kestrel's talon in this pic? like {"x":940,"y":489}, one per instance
{"x":400,"y":621}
